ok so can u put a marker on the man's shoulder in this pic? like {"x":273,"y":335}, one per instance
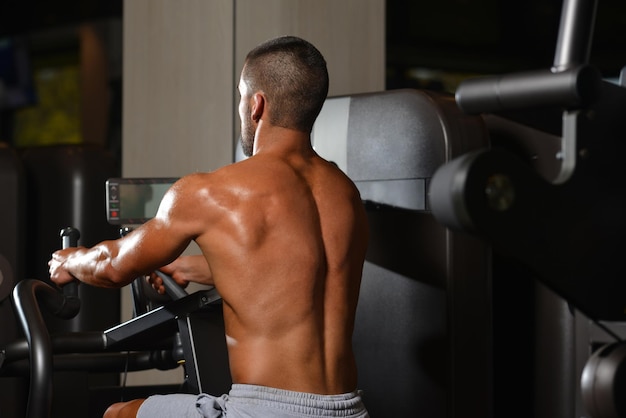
{"x":207,"y":178}
{"x":224,"y":180}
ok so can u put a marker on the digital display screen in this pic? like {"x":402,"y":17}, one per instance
{"x":133,"y":201}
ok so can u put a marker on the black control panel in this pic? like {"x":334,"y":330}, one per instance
{"x":133,"y":201}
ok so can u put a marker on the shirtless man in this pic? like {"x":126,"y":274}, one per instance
{"x":283,"y":236}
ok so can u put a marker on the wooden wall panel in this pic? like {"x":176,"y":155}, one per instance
{"x":178,"y":86}
{"x":349,"y":33}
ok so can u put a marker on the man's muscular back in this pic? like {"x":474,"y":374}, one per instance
{"x":285,"y":243}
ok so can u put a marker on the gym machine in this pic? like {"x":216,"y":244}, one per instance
{"x":165,"y":333}
{"x":422,"y":337}
{"x":548,"y":196}
{"x":162,"y":338}
{"x":424,"y":330}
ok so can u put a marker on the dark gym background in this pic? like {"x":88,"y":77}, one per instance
{"x":430,"y":44}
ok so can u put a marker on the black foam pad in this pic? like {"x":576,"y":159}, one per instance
{"x":603,"y":382}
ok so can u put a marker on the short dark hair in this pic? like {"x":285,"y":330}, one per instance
{"x":292,"y":74}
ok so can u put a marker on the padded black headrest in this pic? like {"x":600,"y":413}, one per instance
{"x":390,"y":143}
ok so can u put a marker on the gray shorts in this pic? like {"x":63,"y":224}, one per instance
{"x":247,"y":401}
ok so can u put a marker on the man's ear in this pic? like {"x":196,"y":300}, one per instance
{"x":258,"y":106}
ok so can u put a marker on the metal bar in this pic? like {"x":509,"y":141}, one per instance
{"x":575,"y":34}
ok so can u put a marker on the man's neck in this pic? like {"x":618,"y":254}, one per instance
{"x":276,"y":139}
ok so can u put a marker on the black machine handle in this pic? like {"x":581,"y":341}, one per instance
{"x":27,"y":295}
{"x":172,"y":288}
{"x":69,"y":238}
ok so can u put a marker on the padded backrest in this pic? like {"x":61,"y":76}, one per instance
{"x":390,"y":143}
{"x":422,"y":336}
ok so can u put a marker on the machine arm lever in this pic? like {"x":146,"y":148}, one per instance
{"x":572,"y":88}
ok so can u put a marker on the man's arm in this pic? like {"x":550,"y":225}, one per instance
{"x":185,"y":269}
{"x":156,"y":243}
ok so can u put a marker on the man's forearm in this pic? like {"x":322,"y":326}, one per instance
{"x":93,"y":266}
